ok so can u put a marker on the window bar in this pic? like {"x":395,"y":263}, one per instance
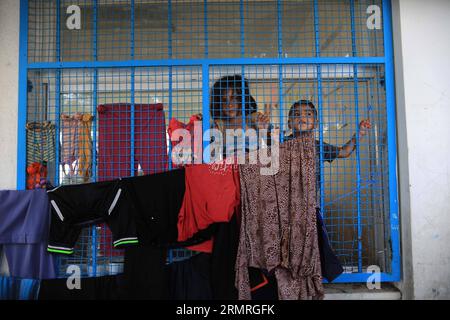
{"x":169,"y":44}
{"x":196,"y":62}
{"x":57,"y":92}
{"x":205,"y":84}
{"x":132,"y":42}
{"x":57,"y":103}
{"x":373,"y":171}
{"x":242,"y":47}
{"x":94,"y":141}
{"x":169,"y":34}
{"x":391,"y":141}
{"x":205,"y":87}
{"x":381,"y":163}
{"x":205,"y":111}
{"x":205,"y":26}
{"x":132,"y":111}
{"x":94,"y":93}
{"x":23,"y":96}
{"x":358,"y":160}
{"x":319,"y":103}
{"x":280,"y":67}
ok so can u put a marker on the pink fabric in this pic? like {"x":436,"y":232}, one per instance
{"x":114,"y":140}
{"x":114,"y":147}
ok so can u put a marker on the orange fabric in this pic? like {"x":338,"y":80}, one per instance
{"x":85,"y":146}
{"x":36,"y":176}
{"x":212,"y":195}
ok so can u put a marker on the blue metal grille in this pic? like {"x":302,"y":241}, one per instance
{"x":139,"y":53}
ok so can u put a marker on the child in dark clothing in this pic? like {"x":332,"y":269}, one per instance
{"x":303,"y":117}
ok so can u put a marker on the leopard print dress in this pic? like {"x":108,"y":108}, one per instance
{"x":278,"y":226}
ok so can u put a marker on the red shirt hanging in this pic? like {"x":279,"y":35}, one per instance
{"x":212,"y":195}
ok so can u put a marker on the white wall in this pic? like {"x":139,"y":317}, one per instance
{"x":9,"y":75}
{"x":423,"y":52}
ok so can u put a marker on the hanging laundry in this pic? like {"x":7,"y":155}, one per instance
{"x":40,"y":142}
{"x":161,"y":199}
{"x":263,"y":285}
{"x":278,"y":228}
{"x":330,"y":265}
{"x":212,"y":195}
{"x":85,"y":147}
{"x":40,"y":151}
{"x":69,"y":142}
{"x":76,"y":206}
{"x":196,"y":138}
{"x":145,"y":273}
{"x":37,"y":176}
{"x":76,"y":146}
{"x":114,"y":148}
{"x":24,"y":225}
{"x":114,"y":140}
{"x":157,"y":199}
{"x":223,"y":259}
{"x":18,"y":289}
{"x":191,"y":279}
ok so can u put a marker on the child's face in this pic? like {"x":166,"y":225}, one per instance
{"x":231,"y":105}
{"x":302,"y":118}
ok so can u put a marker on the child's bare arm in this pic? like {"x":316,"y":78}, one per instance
{"x":347,"y":149}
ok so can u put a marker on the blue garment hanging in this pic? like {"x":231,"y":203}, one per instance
{"x":18,"y":289}
{"x":24,"y":225}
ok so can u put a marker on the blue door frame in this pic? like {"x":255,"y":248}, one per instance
{"x":205,"y":64}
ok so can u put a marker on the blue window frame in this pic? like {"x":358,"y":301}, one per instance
{"x":171,"y":52}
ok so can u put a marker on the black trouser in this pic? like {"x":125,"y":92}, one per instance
{"x":191,"y":279}
{"x":330,"y":264}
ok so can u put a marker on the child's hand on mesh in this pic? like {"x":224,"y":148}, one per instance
{"x":262,"y":121}
{"x":268,"y":109}
{"x":364,"y":127}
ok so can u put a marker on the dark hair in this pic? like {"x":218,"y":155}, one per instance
{"x":219,"y":91}
{"x":303,"y":102}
